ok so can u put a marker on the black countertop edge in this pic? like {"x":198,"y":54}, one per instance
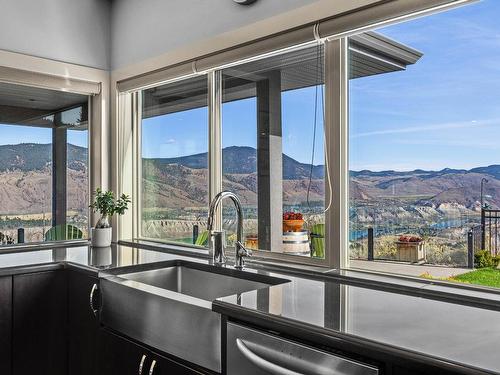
{"x":89,"y":270}
{"x":17,"y":270}
{"x":315,"y":335}
{"x":36,"y":246}
{"x":450,"y":294}
{"x":187,"y":251}
{"x":458,"y":287}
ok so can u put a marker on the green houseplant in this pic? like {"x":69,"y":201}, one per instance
{"x":106,"y":205}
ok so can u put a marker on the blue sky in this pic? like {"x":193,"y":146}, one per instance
{"x":14,"y":134}
{"x":444,"y":111}
{"x":185,"y":133}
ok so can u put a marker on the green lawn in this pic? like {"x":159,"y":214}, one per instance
{"x":482,"y":276}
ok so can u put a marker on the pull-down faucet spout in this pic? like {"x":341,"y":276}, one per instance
{"x":217,"y":238}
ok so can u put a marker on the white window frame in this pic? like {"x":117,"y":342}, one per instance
{"x":336,"y":121}
{"x":16,"y":68}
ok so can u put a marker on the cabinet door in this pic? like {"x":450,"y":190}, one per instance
{"x":83,"y":326}
{"x":120,"y":356}
{"x":39,"y":324}
{"x":5,"y":324}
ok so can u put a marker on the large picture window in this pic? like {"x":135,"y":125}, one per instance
{"x":375,"y":151}
{"x":424,"y":151}
{"x":174,"y":133}
{"x":43,"y":165}
{"x":273,"y":150}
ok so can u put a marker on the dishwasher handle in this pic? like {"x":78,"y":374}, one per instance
{"x":271,"y":367}
{"x":262,"y":363}
{"x":251,"y":352}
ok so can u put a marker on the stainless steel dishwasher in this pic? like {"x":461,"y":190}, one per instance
{"x":251,"y":352}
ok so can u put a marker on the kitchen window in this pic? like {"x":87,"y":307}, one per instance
{"x":44,"y":165}
{"x":424,"y":124}
{"x":291,"y":133}
{"x":273,"y":151}
{"x":271,"y":109}
{"x":174,"y":162}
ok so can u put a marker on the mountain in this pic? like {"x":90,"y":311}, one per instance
{"x":35,"y":157}
{"x":182,"y":182}
{"x":492,"y":170}
{"x":26,"y":183}
{"x":242,"y":160}
{"x":429,"y":188}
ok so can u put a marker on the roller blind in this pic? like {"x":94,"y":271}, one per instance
{"x":356,"y":21}
{"x":47,"y":81}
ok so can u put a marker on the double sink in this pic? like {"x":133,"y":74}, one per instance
{"x":168,"y":305}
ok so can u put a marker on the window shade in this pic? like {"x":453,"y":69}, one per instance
{"x":340,"y":25}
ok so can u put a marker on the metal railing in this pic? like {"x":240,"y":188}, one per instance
{"x":490,"y":233}
{"x":484,"y":236}
{"x":474,"y":236}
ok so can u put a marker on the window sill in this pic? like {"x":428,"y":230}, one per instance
{"x":41,"y":245}
{"x":446,"y":291}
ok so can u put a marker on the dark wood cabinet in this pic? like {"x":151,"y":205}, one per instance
{"x":39,"y":327}
{"x":83,"y":325}
{"x":118,"y":355}
{"x":167,"y":366}
{"x":5,"y":324}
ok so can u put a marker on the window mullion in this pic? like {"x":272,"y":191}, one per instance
{"x":215,"y":138}
{"x":336,"y":140}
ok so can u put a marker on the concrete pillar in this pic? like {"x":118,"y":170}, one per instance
{"x":59,"y":168}
{"x":269,"y":162}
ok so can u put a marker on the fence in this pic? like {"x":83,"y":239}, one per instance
{"x":474,"y":236}
{"x":490,"y":221}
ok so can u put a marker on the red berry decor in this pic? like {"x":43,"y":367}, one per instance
{"x":407,"y":238}
{"x":292,"y":216}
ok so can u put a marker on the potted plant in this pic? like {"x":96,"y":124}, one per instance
{"x":292,"y":222}
{"x":410,"y":248}
{"x":106,"y":205}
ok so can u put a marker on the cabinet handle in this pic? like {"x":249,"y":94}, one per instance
{"x":92,"y":292}
{"x":141,"y":364}
{"x":152,"y":368}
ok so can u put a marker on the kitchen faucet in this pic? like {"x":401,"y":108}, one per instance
{"x":217,"y":237}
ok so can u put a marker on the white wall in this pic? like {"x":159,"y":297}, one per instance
{"x":73,"y":31}
{"x":142,"y":30}
{"x":112,"y":34}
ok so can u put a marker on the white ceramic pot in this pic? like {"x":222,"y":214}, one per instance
{"x":101,"y":237}
{"x":101,"y":256}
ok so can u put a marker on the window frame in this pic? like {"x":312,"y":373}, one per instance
{"x":215,"y":172}
{"x":20,"y":69}
{"x":336,"y":124}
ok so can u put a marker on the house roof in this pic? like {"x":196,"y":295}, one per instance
{"x":33,"y":106}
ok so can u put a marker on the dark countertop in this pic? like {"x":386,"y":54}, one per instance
{"x":84,"y":257}
{"x":455,"y":333}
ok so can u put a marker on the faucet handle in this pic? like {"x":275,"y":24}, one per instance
{"x":243,"y":251}
{"x":241,"y":254}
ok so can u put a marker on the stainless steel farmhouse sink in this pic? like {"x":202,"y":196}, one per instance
{"x":168,"y":305}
